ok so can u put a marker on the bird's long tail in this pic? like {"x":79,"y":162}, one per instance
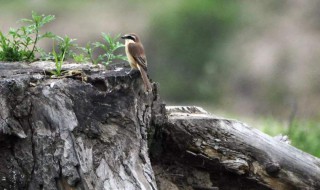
{"x":145,"y":79}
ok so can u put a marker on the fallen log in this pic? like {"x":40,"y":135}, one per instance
{"x":234,"y":155}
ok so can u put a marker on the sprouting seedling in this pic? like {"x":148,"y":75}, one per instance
{"x":15,"y":45}
{"x":58,"y":61}
{"x":109,"y":47}
{"x":65,"y":46}
{"x":37,"y":22}
{"x":89,"y":51}
{"x":21,"y":44}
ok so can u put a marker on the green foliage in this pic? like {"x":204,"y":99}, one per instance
{"x":304,"y":135}
{"x":15,"y":46}
{"x":66,"y":47}
{"x":65,"y":50}
{"x":89,"y":51}
{"x":110,"y":46}
{"x":197,"y":33}
{"x":80,"y":58}
{"x":58,"y":58}
{"x":21,"y":45}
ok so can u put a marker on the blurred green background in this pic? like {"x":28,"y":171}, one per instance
{"x":254,"y":61}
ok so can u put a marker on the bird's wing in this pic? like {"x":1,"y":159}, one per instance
{"x":136,"y":50}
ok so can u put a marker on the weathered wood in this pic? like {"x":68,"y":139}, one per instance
{"x":87,"y":130}
{"x":248,"y":158}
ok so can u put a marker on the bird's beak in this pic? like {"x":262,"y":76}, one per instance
{"x":124,"y":37}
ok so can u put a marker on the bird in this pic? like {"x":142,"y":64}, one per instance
{"x":136,"y":57}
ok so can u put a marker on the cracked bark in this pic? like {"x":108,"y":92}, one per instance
{"x":197,"y":150}
{"x":95,"y":131}
{"x":69,"y":134}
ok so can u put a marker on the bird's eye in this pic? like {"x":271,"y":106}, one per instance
{"x":132,"y":38}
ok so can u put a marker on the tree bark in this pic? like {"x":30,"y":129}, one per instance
{"x":86,"y":130}
{"x":228,"y":154}
{"x":94,"y":128}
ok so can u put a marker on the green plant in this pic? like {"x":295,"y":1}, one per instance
{"x":15,"y":45}
{"x":65,"y":46}
{"x":21,"y":45}
{"x":305,"y":135}
{"x":89,"y":50}
{"x":58,"y":58}
{"x":110,"y":47}
{"x":206,"y":34}
{"x":80,"y":58}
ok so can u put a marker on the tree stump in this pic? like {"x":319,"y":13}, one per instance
{"x":94,"y":128}
{"x":85,"y":130}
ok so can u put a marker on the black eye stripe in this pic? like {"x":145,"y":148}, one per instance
{"x":132,"y":38}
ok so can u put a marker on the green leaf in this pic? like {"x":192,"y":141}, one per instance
{"x":107,"y":38}
{"x":25,"y":20}
{"x":36,"y":18}
{"x":3,"y":41}
{"x":12,"y":31}
{"x":121,"y":57}
{"x":47,"y":19}
{"x":47,"y":35}
{"x":98,"y":44}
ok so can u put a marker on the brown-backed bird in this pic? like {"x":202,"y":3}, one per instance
{"x":137,"y":57}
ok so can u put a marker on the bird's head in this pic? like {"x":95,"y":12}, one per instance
{"x":131,"y":37}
